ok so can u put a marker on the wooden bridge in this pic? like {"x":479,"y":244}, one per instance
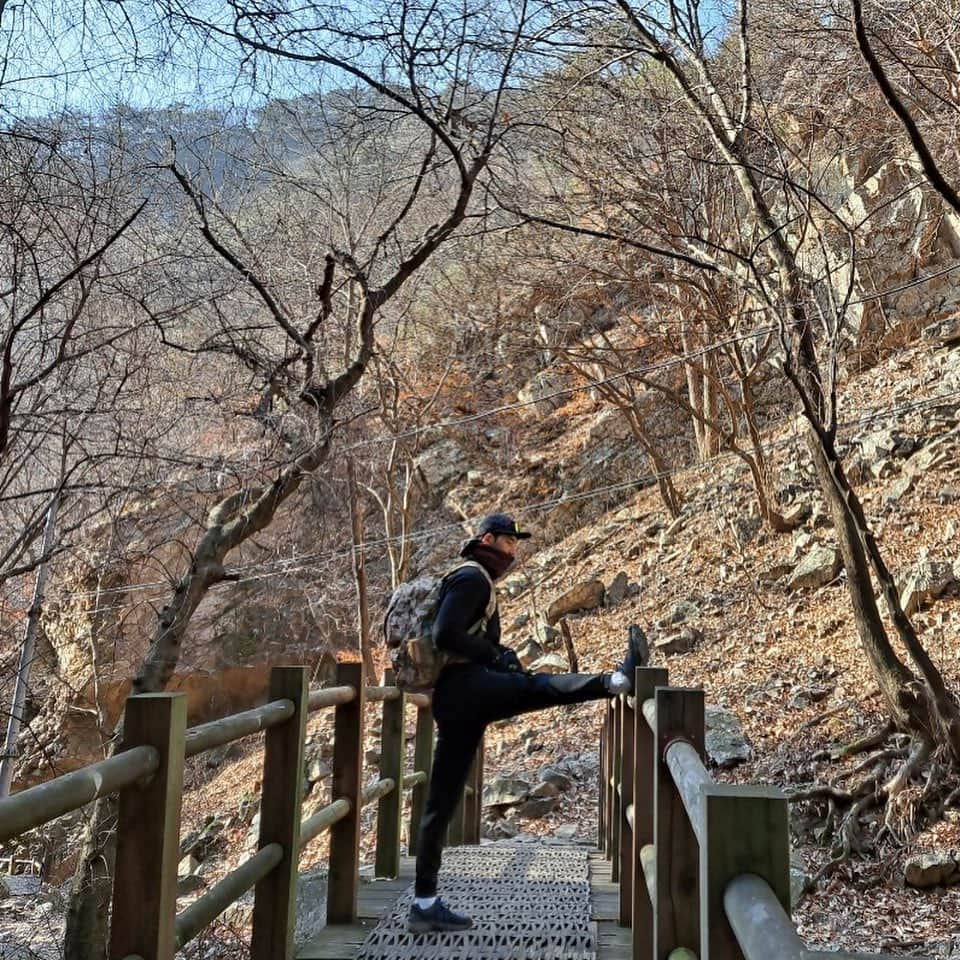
{"x":684,"y":867}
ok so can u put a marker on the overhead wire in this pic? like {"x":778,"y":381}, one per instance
{"x":262,"y":570}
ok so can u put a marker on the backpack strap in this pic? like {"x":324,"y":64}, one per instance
{"x":491,"y":607}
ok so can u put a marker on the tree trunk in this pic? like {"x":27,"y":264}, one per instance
{"x":360,"y":576}
{"x":8,"y":758}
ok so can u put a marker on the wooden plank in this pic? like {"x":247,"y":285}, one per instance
{"x":679,"y":715}
{"x":645,"y":684}
{"x":274,"y":903}
{"x":390,"y":807}
{"x":422,"y":760}
{"x":148,"y":832}
{"x":344,"y":871}
{"x":747,"y":831}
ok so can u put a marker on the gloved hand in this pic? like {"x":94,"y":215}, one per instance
{"x":507,"y":661}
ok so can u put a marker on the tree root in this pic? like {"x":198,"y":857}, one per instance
{"x":868,"y":742}
{"x":900,"y":778}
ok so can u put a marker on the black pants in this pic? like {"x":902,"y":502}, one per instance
{"x":468,"y":697}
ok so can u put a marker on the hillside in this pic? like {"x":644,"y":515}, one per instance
{"x":785,"y":660}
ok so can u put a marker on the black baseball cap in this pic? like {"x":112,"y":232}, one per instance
{"x":500,"y":524}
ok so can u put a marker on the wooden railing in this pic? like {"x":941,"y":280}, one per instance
{"x":147,"y":777}
{"x":703,"y":867}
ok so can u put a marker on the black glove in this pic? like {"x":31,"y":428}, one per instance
{"x":507,"y":661}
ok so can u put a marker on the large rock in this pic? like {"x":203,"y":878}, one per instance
{"x":816,"y":569}
{"x":931,"y":870}
{"x":725,"y":744}
{"x":682,"y":642}
{"x":587,"y":595}
{"x":442,"y":463}
{"x":617,"y":591}
{"x":311,"y":906}
{"x":927,"y":581}
{"x":557,"y":777}
{"x":537,"y":809}
{"x":504,"y":791}
{"x":550,"y":663}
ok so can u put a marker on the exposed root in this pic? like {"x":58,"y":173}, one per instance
{"x":903,"y":778}
{"x":862,"y":745}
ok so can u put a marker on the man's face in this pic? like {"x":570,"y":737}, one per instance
{"x":504,"y":542}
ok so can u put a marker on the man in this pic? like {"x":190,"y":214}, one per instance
{"x":486,"y":683}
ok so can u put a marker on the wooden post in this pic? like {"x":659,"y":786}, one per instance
{"x":607,"y":781}
{"x":422,"y":760}
{"x":602,"y":793}
{"x":747,"y":831}
{"x":473,"y":803}
{"x":677,"y":914}
{"x":148,"y":833}
{"x":616,"y":807}
{"x":645,"y":684}
{"x":344,"y":871}
{"x":627,"y":780}
{"x":275,"y":898}
{"x":390,"y":807}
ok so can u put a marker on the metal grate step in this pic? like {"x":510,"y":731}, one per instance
{"x":528,"y":902}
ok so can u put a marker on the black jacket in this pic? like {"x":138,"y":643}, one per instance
{"x":463,"y":599}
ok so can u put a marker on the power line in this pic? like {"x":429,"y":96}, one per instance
{"x":286,"y":566}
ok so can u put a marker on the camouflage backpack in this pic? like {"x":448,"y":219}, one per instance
{"x":408,"y":629}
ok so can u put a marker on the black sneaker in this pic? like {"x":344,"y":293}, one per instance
{"x":638,"y":654}
{"x":436,"y":918}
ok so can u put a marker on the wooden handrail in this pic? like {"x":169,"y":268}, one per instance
{"x":376,"y":790}
{"x":217,"y":733}
{"x":46,"y":801}
{"x":234,"y":885}
{"x":759,"y":922}
{"x":323,"y":819}
{"x":690,"y":775}
{"x":149,"y":772}
{"x":722,"y":885}
{"x":330,"y":697}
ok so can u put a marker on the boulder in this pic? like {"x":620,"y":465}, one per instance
{"x":544,"y":789}
{"x":503,"y":791}
{"x":537,"y":809}
{"x":681,"y":612}
{"x":682,"y":642}
{"x":559,"y":779}
{"x":550,"y":663}
{"x":566,"y":831}
{"x":587,"y":595}
{"x":617,"y":591}
{"x":442,"y":463}
{"x":499,"y":830}
{"x":931,"y":870}
{"x":529,"y":651}
{"x":311,"y":907}
{"x":928,"y":580}
{"x":188,"y":866}
{"x":816,"y":569}
{"x":546,"y":635}
{"x":725,"y":744}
